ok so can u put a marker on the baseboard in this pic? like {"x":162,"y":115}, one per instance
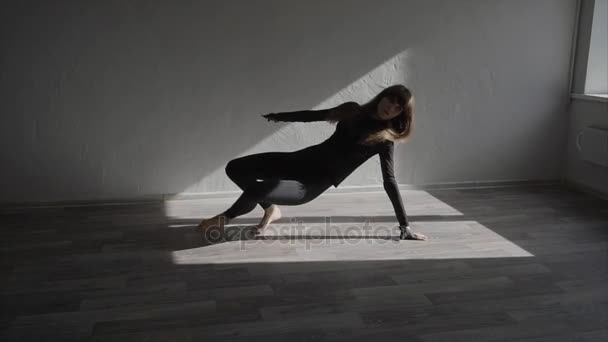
{"x":161,"y":198}
{"x":585,"y":189}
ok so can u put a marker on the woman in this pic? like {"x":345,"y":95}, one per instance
{"x":291,"y":178}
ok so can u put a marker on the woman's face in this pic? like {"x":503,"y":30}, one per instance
{"x":388,"y":109}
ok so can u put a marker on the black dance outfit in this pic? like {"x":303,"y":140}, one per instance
{"x":292,"y":178}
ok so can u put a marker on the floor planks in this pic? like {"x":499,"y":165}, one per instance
{"x":502,"y":264}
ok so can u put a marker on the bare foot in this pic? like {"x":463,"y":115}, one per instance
{"x":415,"y":236}
{"x":407,"y":234}
{"x":271,"y":214}
{"x":213,"y":225}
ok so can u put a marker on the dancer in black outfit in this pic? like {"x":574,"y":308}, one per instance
{"x":291,"y":178}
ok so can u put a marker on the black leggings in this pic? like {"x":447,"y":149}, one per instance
{"x":274,"y":178}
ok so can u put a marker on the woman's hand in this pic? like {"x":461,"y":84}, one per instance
{"x":270,"y":117}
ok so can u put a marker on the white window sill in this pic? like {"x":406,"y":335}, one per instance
{"x":590,"y":97}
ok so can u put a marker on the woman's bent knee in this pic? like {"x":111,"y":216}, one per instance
{"x":232,"y":168}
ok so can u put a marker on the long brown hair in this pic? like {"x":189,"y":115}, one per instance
{"x":397,"y":129}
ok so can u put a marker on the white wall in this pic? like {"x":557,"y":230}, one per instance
{"x":113,"y":99}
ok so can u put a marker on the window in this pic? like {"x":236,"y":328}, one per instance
{"x":589,"y":73}
{"x":596,"y":80}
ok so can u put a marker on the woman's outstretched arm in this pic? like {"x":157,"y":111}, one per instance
{"x":312,"y":115}
{"x":390,"y":184}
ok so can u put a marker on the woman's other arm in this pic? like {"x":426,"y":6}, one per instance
{"x":312,"y":115}
{"x":389,"y":182}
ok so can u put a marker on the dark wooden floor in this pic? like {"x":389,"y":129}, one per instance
{"x":502,"y":264}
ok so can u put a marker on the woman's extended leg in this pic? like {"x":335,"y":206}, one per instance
{"x":277,"y":191}
{"x":273,"y":178}
{"x":270,"y":178}
{"x":247,"y":170}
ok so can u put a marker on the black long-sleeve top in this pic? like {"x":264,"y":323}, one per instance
{"x":340,"y":154}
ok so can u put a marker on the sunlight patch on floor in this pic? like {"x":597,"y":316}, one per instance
{"x":448,"y":240}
